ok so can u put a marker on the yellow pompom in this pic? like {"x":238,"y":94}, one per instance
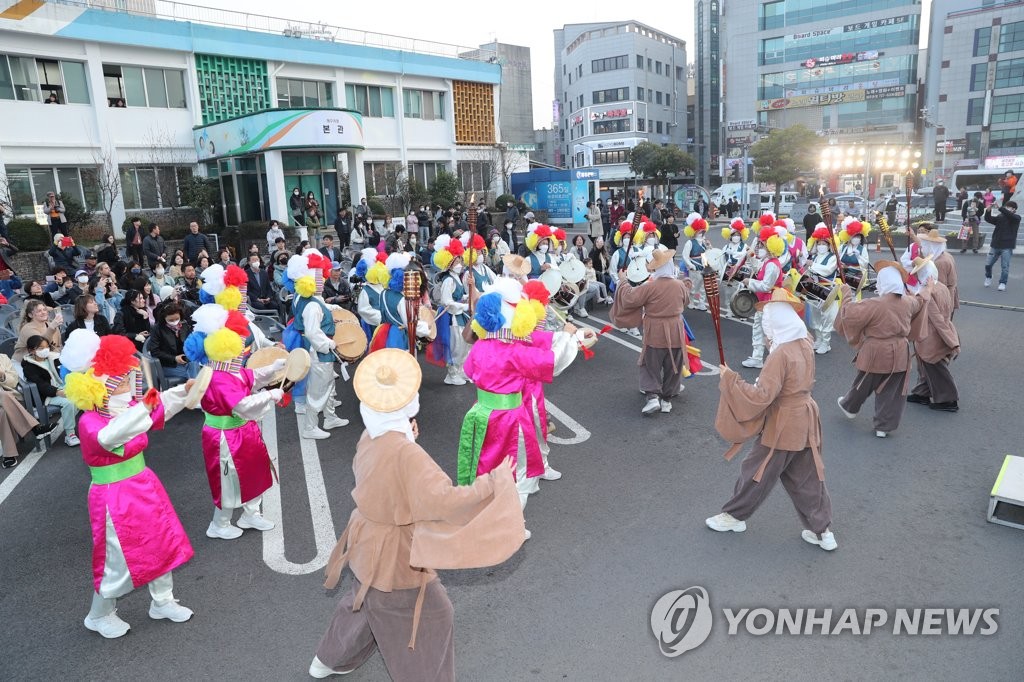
{"x":531,"y":241}
{"x":538,"y":309}
{"x":378,"y":274}
{"x":85,"y":390}
{"x":726,"y":233}
{"x":865,"y":229}
{"x":843,"y":236}
{"x":230,"y":298}
{"x":480,"y":332}
{"x":791,"y":238}
{"x":756,"y":227}
{"x":689,"y":232}
{"x":224,"y":344}
{"x":746,"y":234}
{"x":442,"y":261}
{"x":775,"y":245}
{"x":524,"y":320}
{"x":304,"y":286}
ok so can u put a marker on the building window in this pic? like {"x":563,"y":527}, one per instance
{"x":649,"y":64}
{"x":370,"y":100}
{"x":28,"y":187}
{"x":1006,"y":139}
{"x":979,"y":74}
{"x":641,"y":124}
{"x":570,"y":79}
{"x":668,"y":100}
{"x":657,"y":68}
{"x":658,"y":127}
{"x":612,"y":157}
{"x":679,"y":73}
{"x":613,"y":95}
{"x":982,"y":38}
{"x":34,"y":80}
{"x":297,"y":93}
{"x":640,"y":61}
{"x":425,"y":172}
{"x":579,"y":101}
{"x":1011,"y":37}
{"x":640,"y":94}
{"x":975,"y":111}
{"x":425,"y":104}
{"x":773,"y":51}
{"x":620,"y":125}
{"x":657,"y":97}
{"x":382,"y":177}
{"x":609,"y":64}
{"x":145,"y":187}
{"x":773,"y":14}
{"x":1009,"y":73}
{"x":1008,"y":108}
{"x":474,"y":176}
{"x":135,"y":86}
{"x":973,"y":145}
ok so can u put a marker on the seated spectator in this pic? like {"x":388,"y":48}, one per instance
{"x":224,"y":257}
{"x":132,"y":273}
{"x":132,"y":319}
{"x":152,"y":300}
{"x":37,"y":292}
{"x":42,"y":368}
{"x":202,"y":264}
{"x":188,"y":284}
{"x":55,"y":282}
{"x":106,"y":252}
{"x":254,"y":249}
{"x":73,"y":288}
{"x":36,"y":321}
{"x":15,"y":421}
{"x":176,"y":267}
{"x":9,"y":281}
{"x":168,"y":345}
{"x":336,"y":288}
{"x":108,"y":296}
{"x":160,"y":278}
{"x":87,"y":316}
{"x":261,"y":296}
{"x":280,"y":246}
{"x":66,"y":254}
{"x":90,"y":263}
{"x":273,"y":234}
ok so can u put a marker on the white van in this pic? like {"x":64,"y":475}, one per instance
{"x":788,"y":199}
{"x":733,"y":189}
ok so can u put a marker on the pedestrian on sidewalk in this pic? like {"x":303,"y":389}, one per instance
{"x":1004,"y":239}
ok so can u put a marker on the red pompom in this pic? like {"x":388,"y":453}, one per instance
{"x":115,"y":356}
{"x":766,"y":233}
{"x":455,"y":248}
{"x":820,"y":233}
{"x":559,"y":234}
{"x":382,"y":257}
{"x":699,"y":224}
{"x":767,"y":219}
{"x":478,"y":242}
{"x":649,"y":226}
{"x":536,"y":291}
{"x":737,"y":224}
{"x":235,"y":276}
{"x":152,"y":399}
{"x":626,"y":227}
{"x":543,"y":231}
{"x":237,"y":323}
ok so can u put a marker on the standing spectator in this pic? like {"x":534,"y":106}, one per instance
{"x":132,"y":320}
{"x":298,"y":208}
{"x":313,"y":214}
{"x":274,"y":232}
{"x":423,"y":220}
{"x":508,"y":235}
{"x":153,"y":246}
{"x":42,"y":368}
{"x":700,"y":206}
{"x":54,"y":209}
{"x":329,"y":250}
{"x":1004,"y":239}
{"x":168,"y":345}
{"x":133,"y":238}
{"x":890,"y":209}
{"x":940,"y":194}
{"x":670,"y":233}
{"x":971,"y":216}
{"x":87,"y":316}
{"x":35,"y":321}
{"x":658,"y":213}
{"x":989,"y":197}
{"x":961,"y":197}
{"x":732,"y":207}
{"x":811,"y":220}
{"x":483,"y":218}
{"x":343,"y":228}
{"x":512,"y":213}
{"x":595,"y":226}
{"x":195,"y":241}
{"x":606,"y":217}
{"x":615,"y":214}
{"x":1008,"y":184}
{"x":106,"y":252}
{"x":261,"y":297}
{"x":363,"y":210}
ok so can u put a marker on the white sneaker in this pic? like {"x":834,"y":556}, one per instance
{"x":821,"y":350}
{"x":652,"y":405}
{"x":827,"y":541}
{"x":1001,"y":287}
{"x":756,"y":363}
{"x":582,"y":312}
{"x":666,"y":406}
{"x":71,"y":440}
{"x":172,"y":611}
{"x":454,"y":380}
{"x":551,"y":474}
{"x":725,"y":522}
{"x":227,"y":532}
{"x":254,"y":522}
{"x":300,"y":408}
{"x":333,"y":421}
{"x":988,"y":282}
{"x":110,"y":625}
{"x":634,"y":332}
{"x":849,"y":415}
{"x":318,"y":670}
{"x":881,"y":434}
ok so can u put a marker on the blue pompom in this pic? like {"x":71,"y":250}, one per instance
{"x":361,"y":268}
{"x":397,"y":279}
{"x":488,"y":312}
{"x":205,"y":298}
{"x":194,"y":349}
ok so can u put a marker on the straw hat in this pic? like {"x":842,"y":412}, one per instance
{"x":933,"y":235}
{"x":919,"y":263}
{"x":387,"y":380}
{"x":516,"y":265}
{"x":879,"y":264}
{"x":781,"y":295}
{"x":659,"y":258}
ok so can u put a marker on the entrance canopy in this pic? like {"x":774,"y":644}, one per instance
{"x":277,"y":129}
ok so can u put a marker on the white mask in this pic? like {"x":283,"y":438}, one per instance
{"x":822,"y":248}
{"x":651,"y":241}
{"x":761,"y":253}
{"x":736,"y":239}
{"x":158,"y":272}
{"x":83,"y":280}
{"x":855,"y":241}
{"x":43,"y":353}
{"x":457,"y":268}
{"x":119,"y":403}
{"x":543,"y":248}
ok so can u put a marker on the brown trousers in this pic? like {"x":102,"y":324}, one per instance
{"x":385,"y":622}
{"x":661,"y":372}
{"x":15,"y":422}
{"x":935,"y":382}
{"x":889,"y":400}
{"x":799,"y":477}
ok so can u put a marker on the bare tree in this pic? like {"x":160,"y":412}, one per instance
{"x":488,"y":173}
{"x":173,"y":165}
{"x":106,"y":177}
{"x":6,"y":202}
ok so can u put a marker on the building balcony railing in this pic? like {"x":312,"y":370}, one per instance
{"x":303,"y":30}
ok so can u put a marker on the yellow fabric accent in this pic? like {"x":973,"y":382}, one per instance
{"x":85,"y":390}
{"x":775,"y":245}
{"x":480,"y":332}
{"x":223,"y":345}
{"x":377,"y":274}
{"x":304,"y":286}
{"x":230,"y":298}
{"x":524,"y":320}
{"x":689,"y":232}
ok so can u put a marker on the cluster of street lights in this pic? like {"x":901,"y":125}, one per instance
{"x":879,"y":158}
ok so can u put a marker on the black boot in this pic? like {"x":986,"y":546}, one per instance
{"x":919,"y":399}
{"x":945,"y":407}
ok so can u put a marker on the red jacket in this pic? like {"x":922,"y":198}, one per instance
{"x":616,"y":213}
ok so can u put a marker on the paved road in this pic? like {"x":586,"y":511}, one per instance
{"x":624,"y":526}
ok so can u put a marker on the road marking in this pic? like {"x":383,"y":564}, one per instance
{"x":993,"y":306}
{"x":323,"y":526}
{"x":708,"y":371}
{"x":19,"y":473}
{"x":581,"y":434}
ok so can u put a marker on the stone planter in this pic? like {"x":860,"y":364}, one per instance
{"x":974,"y":242}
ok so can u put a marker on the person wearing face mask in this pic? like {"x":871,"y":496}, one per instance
{"x":881,"y":330}
{"x":600,"y":260}
{"x":696,"y":231}
{"x":449,"y":348}
{"x":630,"y":246}
{"x":769,"y":276}
{"x":476,"y":254}
{"x":298,"y":208}
{"x":41,"y":367}
{"x":939,"y":347}
{"x":397,"y":604}
{"x":660,"y":303}
{"x":854,"y":252}
{"x":735,"y":251}
{"x":393,"y":329}
{"x":258,"y":289}
{"x":160,"y":278}
{"x":822,"y":269}
{"x":496,"y":251}
{"x":538,"y":241}
{"x":788,"y":428}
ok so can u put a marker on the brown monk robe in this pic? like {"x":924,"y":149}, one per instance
{"x":660,"y":303}
{"x":881,"y":329}
{"x":946,"y":266}
{"x":936,"y":348}
{"x":779,"y":411}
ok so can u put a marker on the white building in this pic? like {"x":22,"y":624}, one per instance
{"x":264,"y":111}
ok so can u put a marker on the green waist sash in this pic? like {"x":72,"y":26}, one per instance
{"x":223,"y":422}
{"x":113,"y":473}
{"x":474,"y":429}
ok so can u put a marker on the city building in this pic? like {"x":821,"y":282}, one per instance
{"x":846,"y":70}
{"x":617,"y":84}
{"x":265,"y":110}
{"x":708,"y":113}
{"x":974,"y":102}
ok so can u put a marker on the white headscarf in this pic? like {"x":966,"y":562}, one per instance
{"x":890,"y":282}
{"x":667,"y":270}
{"x":933,"y":249}
{"x":781,"y":324}
{"x":924,"y":275}
{"x":379,"y":423}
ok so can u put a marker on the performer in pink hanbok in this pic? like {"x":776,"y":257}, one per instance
{"x":137,"y":537}
{"x":238,"y":465}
